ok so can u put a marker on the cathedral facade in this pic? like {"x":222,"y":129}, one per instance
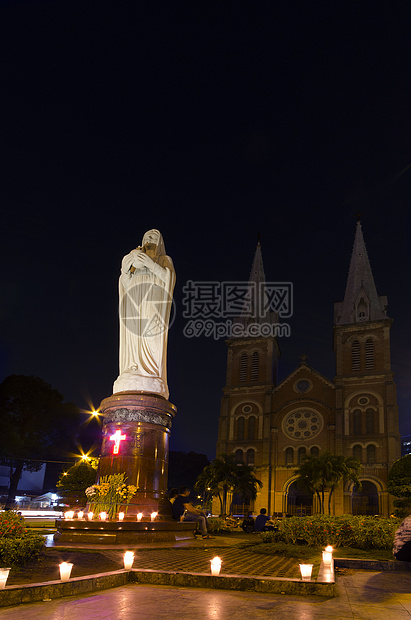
{"x":273,"y":426}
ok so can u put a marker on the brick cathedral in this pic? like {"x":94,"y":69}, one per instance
{"x":272,"y":426}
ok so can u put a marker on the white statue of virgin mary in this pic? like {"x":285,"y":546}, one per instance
{"x":146,"y":287}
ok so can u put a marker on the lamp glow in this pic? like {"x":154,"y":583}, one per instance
{"x":65,"y":570}
{"x":153,"y":516}
{"x":80,"y":514}
{"x":215,"y":565}
{"x":139,"y":516}
{"x":328,"y":555}
{"x":121,"y":516}
{"x":69,"y":514}
{"x":306,"y":570}
{"x":128,"y":560}
{"x":90,"y":516}
{"x":103,"y":516}
{"x":4,"y":573}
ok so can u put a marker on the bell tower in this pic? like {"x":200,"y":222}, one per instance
{"x":367,"y":425}
{"x":252,"y":357}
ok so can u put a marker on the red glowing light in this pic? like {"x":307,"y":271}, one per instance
{"x":117,"y":438}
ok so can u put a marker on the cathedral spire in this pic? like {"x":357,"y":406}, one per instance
{"x":361,"y":302}
{"x":257,"y":274}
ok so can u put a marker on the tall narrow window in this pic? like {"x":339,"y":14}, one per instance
{"x":289,"y":456}
{"x":369,"y":354}
{"x":243,"y":368}
{"x":356,"y":422}
{"x":355,"y":356}
{"x":239,"y":456}
{"x":371,"y":454}
{"x":255,"y":364}
{"x":240,"y":428}
{"x":250,"y":457}
{"x":251,"y":427}
{"x":370,"y":421}
{"x":357,"y":452}
{"x":301,"y":454}
{"x":314,"y":451}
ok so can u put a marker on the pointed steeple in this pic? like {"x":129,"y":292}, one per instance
{"x":361,"y":302}
{"x":256,"y":284}
{"x":256,"y":309}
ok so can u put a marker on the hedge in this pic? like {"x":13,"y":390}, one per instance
{"x":361,"y":532}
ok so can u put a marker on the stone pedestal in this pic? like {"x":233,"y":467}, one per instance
{"x":142,"y":422}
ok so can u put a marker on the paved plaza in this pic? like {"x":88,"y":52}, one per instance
{"x":361,"y":595}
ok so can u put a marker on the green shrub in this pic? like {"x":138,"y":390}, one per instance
{"x":361,"y":532}
{"x":18,"y":551}
{"x":17,"y":543}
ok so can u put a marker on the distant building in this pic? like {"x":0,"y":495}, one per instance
{"x":355,"y":414}
{"x":405,"y":445}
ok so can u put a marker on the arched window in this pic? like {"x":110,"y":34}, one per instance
{"x":239,"y":456}
{"x":357,"y":452}
{"x":369,"y":354}
{"x":289,"y":456}
{"x":255,"y":366}
{"x":370,"y":421}
{"x":240,"y":428}
{"x":250,"y":457}
{"x":251,"y":427}
{"x":314,"y":451}
{"x":243,"y":367}
{"x":362,"y":310}
{"x":371,"y":454}
{"x":301,"y":454}
{"x":355,"y":356}
{"x":356,"y":422}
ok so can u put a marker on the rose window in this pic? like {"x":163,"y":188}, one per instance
{"x":303,"y":424}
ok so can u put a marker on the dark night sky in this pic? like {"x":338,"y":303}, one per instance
{"x":211,"y":121}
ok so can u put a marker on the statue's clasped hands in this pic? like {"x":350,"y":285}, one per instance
{"x":140,"y":259}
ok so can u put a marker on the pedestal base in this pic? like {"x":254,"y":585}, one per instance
{"x":136,"y":431}
{"x":118,"y":533}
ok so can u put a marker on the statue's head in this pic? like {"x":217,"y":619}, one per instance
{"x":153,"y":241}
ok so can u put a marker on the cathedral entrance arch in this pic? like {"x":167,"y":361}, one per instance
{"x":365,"y":501}
{"x":299,"y":501}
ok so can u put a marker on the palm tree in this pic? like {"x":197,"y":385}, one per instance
{"x":225,"y":474}
{"x":326,"y":472}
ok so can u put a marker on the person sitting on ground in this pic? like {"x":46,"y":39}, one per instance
{"x":261,"y":520}
{"x":402,"y":541}
{"x":248,"y":523}
{"x":183,"y":510}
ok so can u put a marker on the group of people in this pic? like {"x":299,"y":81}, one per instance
{"x":183,"y":510}
{"x":262,"y":523}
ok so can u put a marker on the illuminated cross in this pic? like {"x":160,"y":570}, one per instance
{"x":117,"y":438}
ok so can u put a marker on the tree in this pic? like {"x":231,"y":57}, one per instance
{"x":36,"y":426}
{"x":76,"y":480}
{"x":399,"y":484}
{"x":325,"y":472}
{"x":225,"y":474}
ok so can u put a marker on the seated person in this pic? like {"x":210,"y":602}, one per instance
{"x":173,"y":493}
{"x":183,"y":510}
{"x":248,"y":523}
{"x":261,"y":520}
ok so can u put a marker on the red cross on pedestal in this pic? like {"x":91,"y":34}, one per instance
{"x":117,"y":438}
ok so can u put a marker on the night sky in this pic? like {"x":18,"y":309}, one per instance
{"x":213,"y":122}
